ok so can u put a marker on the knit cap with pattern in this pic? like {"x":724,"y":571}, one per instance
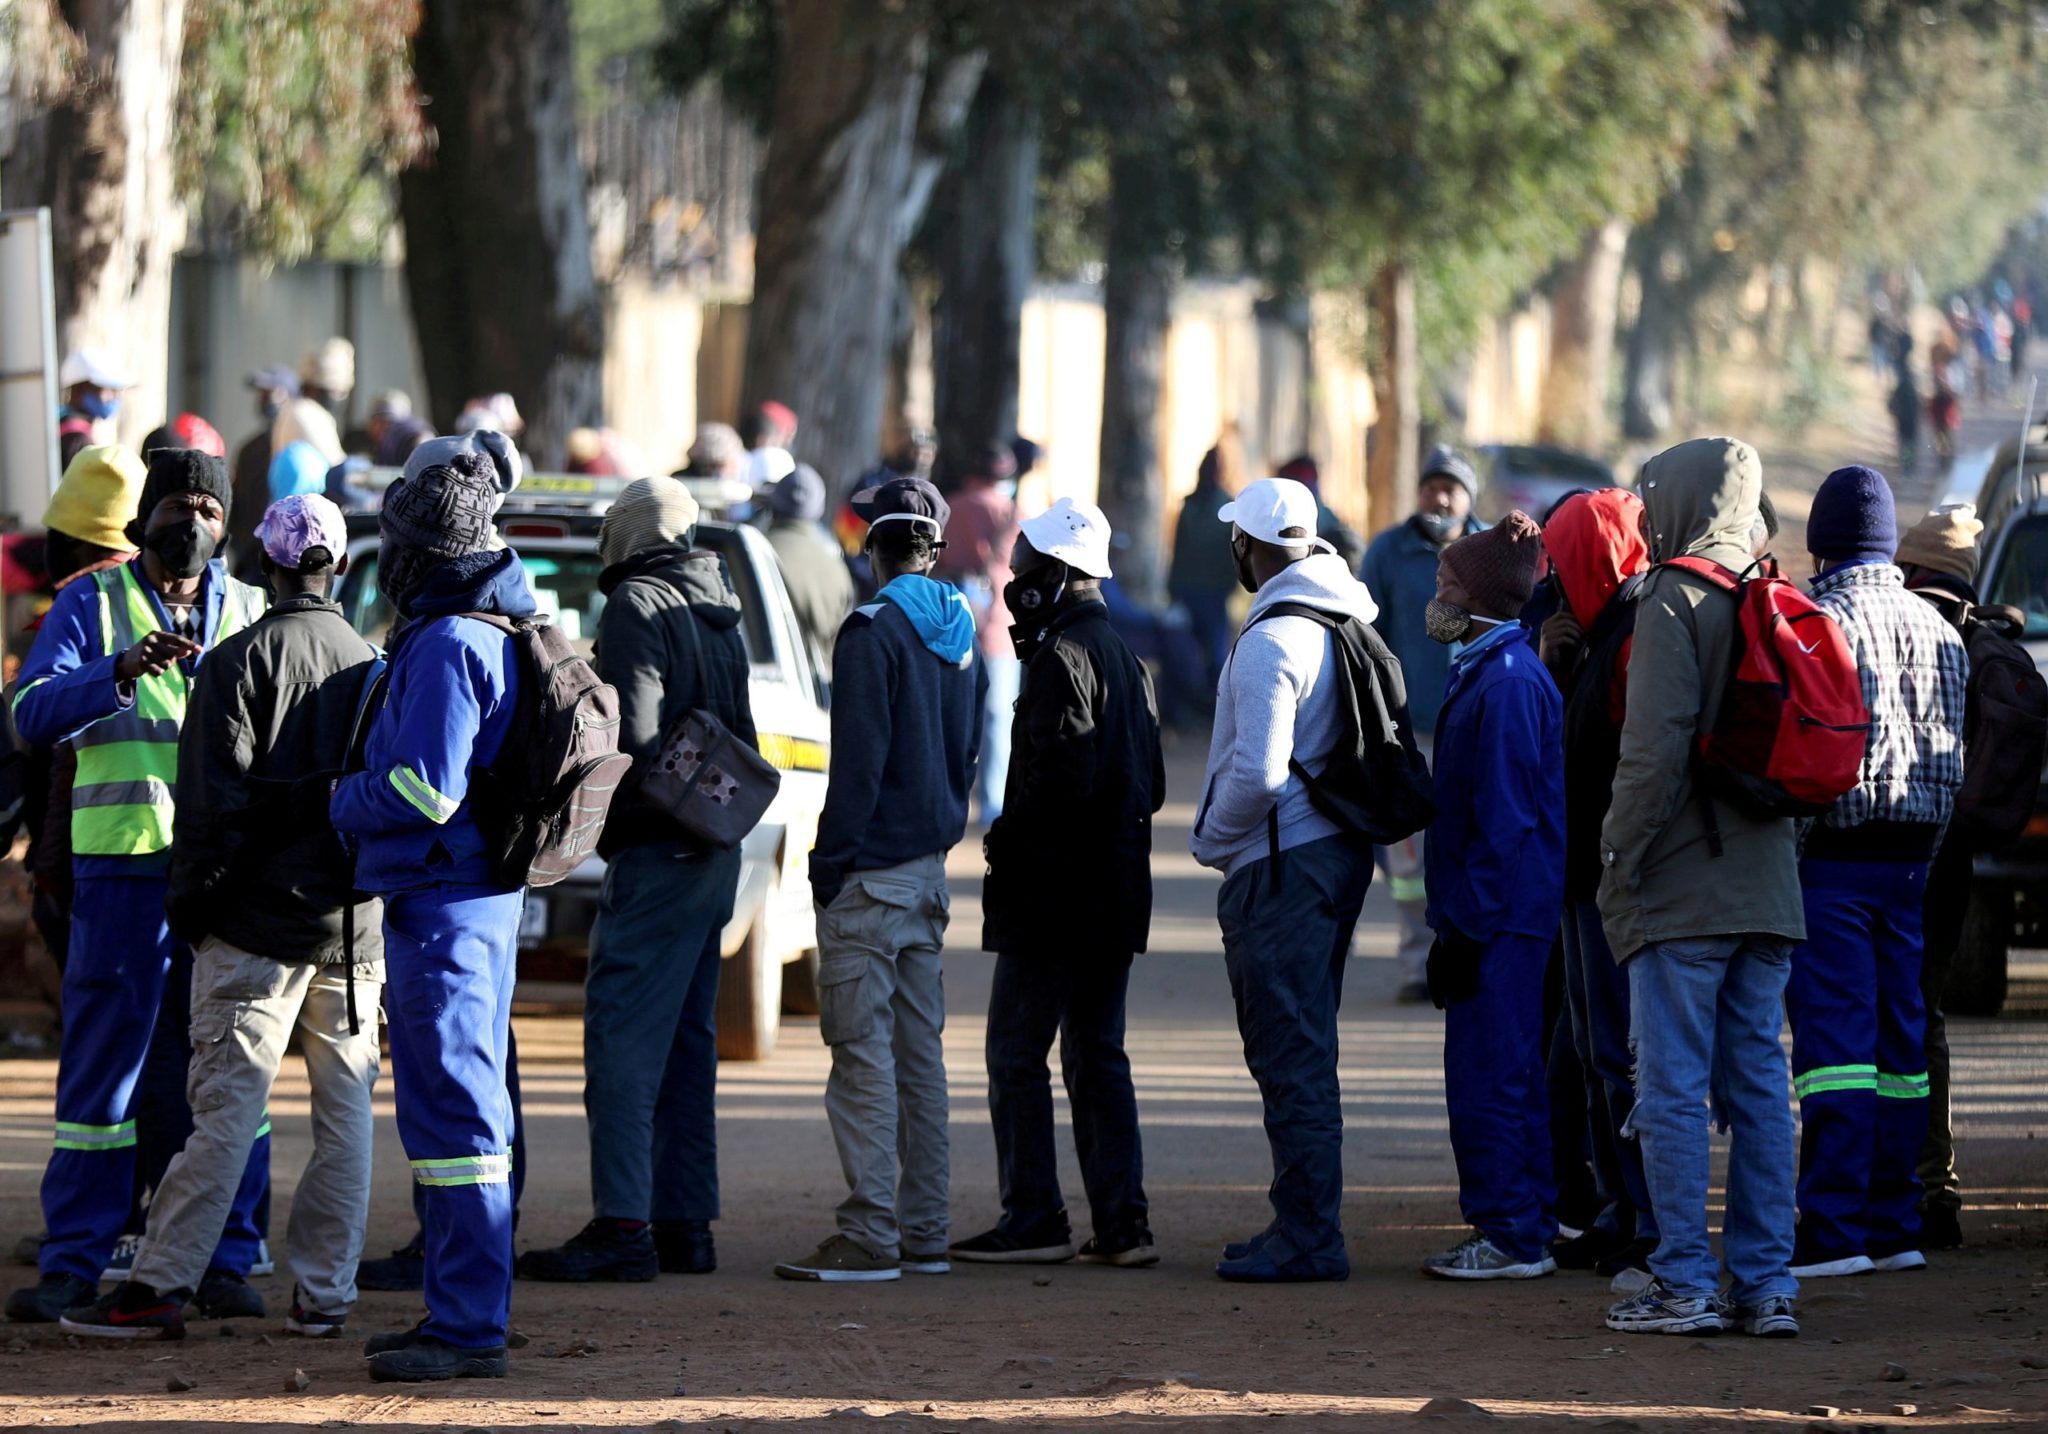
{"x":1494,"y":570}
{"x":650,"y":512}
{"x":1945,"y":541}
{"x":444,"y":512}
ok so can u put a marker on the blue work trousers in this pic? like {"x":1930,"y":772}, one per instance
{"x":448,"y":957}
{"x":1596,"y":986}
{"x":1859,"y":1057}
{"x":1499,"y":1107}
{"x":121,"y":1078}
{"x":650,"y":1032}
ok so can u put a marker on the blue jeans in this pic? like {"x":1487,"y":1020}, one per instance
{"x":1287,"y":923}
{"x":1005,"y":680}
{"x":1859,"y":1057}
{"x":650,"y":1032}
{"x":1596,"y":986}
{"x":1499,"y":1108}
{"x":1080,"y":1000}
{"x":1706,"y":1017}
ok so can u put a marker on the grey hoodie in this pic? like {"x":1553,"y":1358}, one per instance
{"x":1662,"y":881}
{"x":1276,"y":699}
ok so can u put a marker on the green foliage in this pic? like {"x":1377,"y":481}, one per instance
{"x":614,"y":36}
{"x":292,"y":117}
{"x":732,"y":41}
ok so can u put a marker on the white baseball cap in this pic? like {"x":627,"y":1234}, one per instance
{"x":1072,"y":533}
{"x":765,"y":467}
{"x":91,"y":366}
{"x":1267,"y":508}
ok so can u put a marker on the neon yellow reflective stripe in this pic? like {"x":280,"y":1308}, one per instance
{"x":1823,"y":1079}
{"x":1902,"y":1087}
{"x":72,"y":1136}
{"x":464,"y":1170}
{"x":23,"y":691}
{"x":263,"y":1129}
{"x":1408,"y":888}
{"x":415,"y":789}
{"x":106,"y":619}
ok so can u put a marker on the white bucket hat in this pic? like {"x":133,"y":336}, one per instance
{"x":1076,"y":534}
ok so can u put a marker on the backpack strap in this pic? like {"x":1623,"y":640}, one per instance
{"x":1731,"y":583}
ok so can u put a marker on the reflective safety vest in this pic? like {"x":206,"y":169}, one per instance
{"x":122,"y":803}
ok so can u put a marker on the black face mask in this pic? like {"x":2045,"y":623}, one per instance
{"x":1031,"y":598}
{"x":183,"y":547}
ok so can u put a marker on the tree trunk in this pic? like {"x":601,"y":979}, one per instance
{"x":100,"y":157}
{"x":983,"y":217}
{"x":1396,"y":457}
{"x":1137,"y":295}
{"x":1582,"y":314}
{"x":497,"y":228}
{"x":1663,"y":319}
{"x":842,"y":186}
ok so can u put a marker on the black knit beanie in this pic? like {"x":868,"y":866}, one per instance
{"x":181,"y":470}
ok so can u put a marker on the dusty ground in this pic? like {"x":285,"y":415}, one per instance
{"x":1082,"y":1348}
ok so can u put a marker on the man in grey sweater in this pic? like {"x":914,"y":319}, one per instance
{"x":1293,"y":883}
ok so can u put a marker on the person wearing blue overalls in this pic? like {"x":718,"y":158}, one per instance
{"x":1494,"y":868}
{"x":109,"y":672}
{"x":450,"y":926}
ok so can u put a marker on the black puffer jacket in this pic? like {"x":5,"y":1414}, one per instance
{"x":252,"y":862}
{"x":669,"y":640}
{"x":1070,"y":859}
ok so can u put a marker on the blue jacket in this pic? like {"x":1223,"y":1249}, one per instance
{"x":1400,"y":572}
{"x":1494,"y":860}
{"x":449,"y":700}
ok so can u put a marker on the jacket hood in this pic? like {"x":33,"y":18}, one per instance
{"x":693,"y":572}
{"x":938,"y":612}
{"x":1702,"y":496}
{"x":1321,"y":580}
{"x":1595,"y":546}
{"x":490,"y":581}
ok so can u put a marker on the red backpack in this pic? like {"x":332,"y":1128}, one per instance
{"x":1790,"y":735}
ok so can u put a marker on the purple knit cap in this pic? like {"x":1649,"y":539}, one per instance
{"x":305,"y":520}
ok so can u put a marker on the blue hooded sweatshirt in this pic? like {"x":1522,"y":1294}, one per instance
{"x":907,"y":693}
{"x":449,"y":701}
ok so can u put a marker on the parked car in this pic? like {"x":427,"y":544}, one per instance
{"x":1532,"y":477}
{"x":770,"y":945}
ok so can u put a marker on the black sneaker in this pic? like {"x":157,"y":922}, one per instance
{"x":45,"y":1301}
{"x":600,"y":1251}
{"x":1587,"y":1250}
{"x":405,"y":1269}
{"x":128,"y":1311}
{"x":1941,"y":1228}
{"x":311,"y":1323}
{"x":424,"y":1359}
{"x":1412,"y":993}
{"x":685,"y":1247}
{"x":1125,"y":1251}
{"x":224,"y":1296}
{"x":1001,"y":1247}
{"x":378,"y":1344}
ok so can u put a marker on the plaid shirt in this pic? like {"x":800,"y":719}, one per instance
{"x":1915,"y":674}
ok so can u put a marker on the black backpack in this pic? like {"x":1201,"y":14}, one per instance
{"x":542,"y":804}
{"x":1374,"y":783}
{"x":2005,"y":735}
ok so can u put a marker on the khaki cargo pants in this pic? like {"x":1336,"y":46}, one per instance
{"x":882,"y":1010}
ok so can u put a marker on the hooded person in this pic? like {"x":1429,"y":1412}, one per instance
{"x":298,"y":469}
{"x":716,"y":452}
{"x":451,"y":925}
{"x":908,"y":691}
{"x":1859,"y":1054}
{"x":669,"y":642}
{"x":1086,"y":777}
{"x":1293,"y":879}
{"x":110,"y":672}
{"x":1704,"y":925}
{"x":1400,"y":569}
{"x":274,"y":387}
{"x":813,"y":568}
{"x":1495,"y":874}
{"x":1597,"y":560}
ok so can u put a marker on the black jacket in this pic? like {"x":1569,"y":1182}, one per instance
{"x":1070,"y":858}
{"x":251,"y":862}
{"x":669,"y":641}
{"x":1592,"y":739}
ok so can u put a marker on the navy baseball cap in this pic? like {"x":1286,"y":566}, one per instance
{"x":902,"y":500}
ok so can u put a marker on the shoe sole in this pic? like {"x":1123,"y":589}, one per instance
{"x":1137,"y":1259}
{"x":312,"y":1331}
{"x":1835,"y":1269}
{"x":1043,"y":1255}
{"x":1700,"y":1324}
{"x":118,"y":1331}
{"x":1506,"y":1272}
{"x":1772,"y":1329}
{"x":1282,"y":1279}
{"x":939,"y":1266}
{"x":1901,"y":1263}
{"x":836,"y":1277}
{"x":467,"y":1369}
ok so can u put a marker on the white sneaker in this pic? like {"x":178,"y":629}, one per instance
{"x":1631,"y":1281}
{"x":1903,"y":1260}
{"x":1657,"y":1311}
{"x":121,"y":1263}
{"x":1830,"y":1269}
{"x":264,"y":1264}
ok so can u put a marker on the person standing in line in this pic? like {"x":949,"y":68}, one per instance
{"x":1086,"y":776}
{"x":1859,"y":1028}
{"x":1200,"y":577}
{"x":669,"y":641}
{"x":1293,"y":880}
{"x":907,"y":702}
{"x":813,"y":569}
{"x":451,"y":925}
{"x":92,"y":389}
{"x":1400,"y":572}
{"x":976,"y":557}
{"x":259,"y":891}
{"x":110,"y":672}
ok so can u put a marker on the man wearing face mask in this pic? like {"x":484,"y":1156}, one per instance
{"x":1085,"y":778}
{"x":1293,"y":879}
{"x":92,"y":396}
{"x":1400,"y":572}
{"x":1496,"y":894}
{"x":110,"y":672}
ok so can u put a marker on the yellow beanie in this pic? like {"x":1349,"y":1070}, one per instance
{"x":1945,"y":541}
{"x":97,"y":498}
